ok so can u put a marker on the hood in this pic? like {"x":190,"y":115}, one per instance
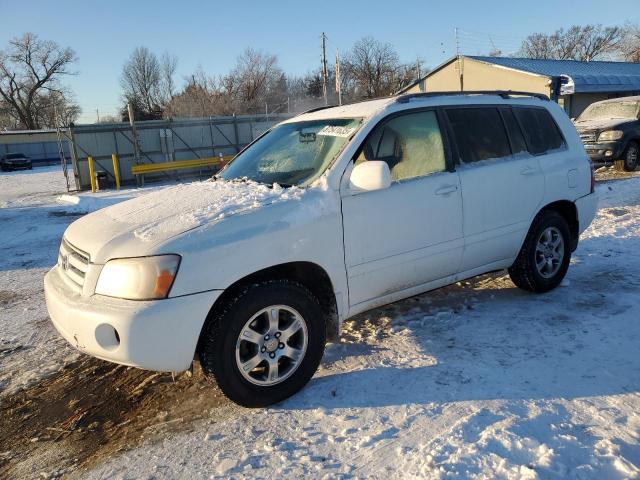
{"x":135,"y":227}
{"x":602,"y":124}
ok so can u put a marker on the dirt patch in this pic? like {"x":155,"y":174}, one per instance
{"x":92,"y":410}
{"x":609,"y":173}
{"x":7,"y":297}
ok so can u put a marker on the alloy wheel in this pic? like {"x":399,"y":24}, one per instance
{"x":549,"y":252}
{"x":271,"y":345}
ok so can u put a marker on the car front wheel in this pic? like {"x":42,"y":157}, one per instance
{"x":265,"y":344}
{"x":544,"y":258}
{"x":629,"y":161}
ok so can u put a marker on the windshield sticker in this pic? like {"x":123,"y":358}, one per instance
{"x":336,"y":131}
{"x":307,"y":137}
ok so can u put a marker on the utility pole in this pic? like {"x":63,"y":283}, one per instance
{"x":98,"y":115}
{"x":338,"y":80}
{"x":459,"y":60}
{"x":136,"y":150}
{"x":323,"y":39}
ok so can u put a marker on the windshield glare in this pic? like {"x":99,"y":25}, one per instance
{"x":293,"y":153}
{"x":610,"y":110}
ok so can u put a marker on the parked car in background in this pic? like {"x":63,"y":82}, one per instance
{"x":610,"y":132}
{"x":15,"y":161}
{"x":328,"y":214}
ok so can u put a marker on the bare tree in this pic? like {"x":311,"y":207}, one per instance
{"x":30,"y":70}
{"x":630,"y":46}
{"x":140,"y":80}
{"x":584,"y":43}
{"x":253,"y":78}
{"x":371,"y":69}
{"x":148,"y":83}
{"x":168,"y":67}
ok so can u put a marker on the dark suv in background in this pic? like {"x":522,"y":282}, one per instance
{"x":610,"y":132}
{"x":14,"y":161}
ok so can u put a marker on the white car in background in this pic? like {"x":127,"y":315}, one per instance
{"x":329,"y":214}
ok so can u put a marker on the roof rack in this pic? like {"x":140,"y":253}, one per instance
{"x":315,"y":109}
{"x":502,"y":93}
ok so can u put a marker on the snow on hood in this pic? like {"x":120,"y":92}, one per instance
{"x":162,"y":214}
{"x":600,"y":123}
{"x":171,"y":211}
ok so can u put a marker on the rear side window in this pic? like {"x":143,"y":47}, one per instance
{"x":479,"y":133}
{"x":518,"y":144}
{"x":540,"y":130}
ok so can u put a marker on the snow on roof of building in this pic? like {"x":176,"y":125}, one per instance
{"x":594,"y":76}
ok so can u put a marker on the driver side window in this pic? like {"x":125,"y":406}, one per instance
{"x":411,"y":144}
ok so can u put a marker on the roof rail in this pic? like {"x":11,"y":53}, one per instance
{"x":315,"y":109}
{"x":502,"y":93}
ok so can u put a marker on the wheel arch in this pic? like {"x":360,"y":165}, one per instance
{"x":309,"y":274}
{"x":569,"y":212}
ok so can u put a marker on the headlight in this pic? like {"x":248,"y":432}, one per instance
{"x":610,"y":135}
{"x":142,"y":278}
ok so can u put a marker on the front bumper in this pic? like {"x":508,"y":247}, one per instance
{"x":587,"y":207}
{"x":154,"y":335}
{"x":604,"y":152}
{"x":16,"y":165}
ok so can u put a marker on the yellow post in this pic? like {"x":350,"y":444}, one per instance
{"x":92,"y":174}
{"x":116,"y":169}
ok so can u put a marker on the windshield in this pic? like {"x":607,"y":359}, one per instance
{"x":14,"y":156}
{"x":293,"y":153}
{"x":608,"y":110}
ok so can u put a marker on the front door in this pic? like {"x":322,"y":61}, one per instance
{"x":409,"y":234}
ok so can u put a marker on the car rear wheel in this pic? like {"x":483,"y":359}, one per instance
{"x":265,"y":344}
{"x":544,"y":258}
{"x":629,"y":160}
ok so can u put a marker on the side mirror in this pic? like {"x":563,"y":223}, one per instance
{"x":370,"y":175}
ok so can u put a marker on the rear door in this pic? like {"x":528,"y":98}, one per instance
{"x":502,"y":183}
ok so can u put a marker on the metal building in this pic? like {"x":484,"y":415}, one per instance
{"x":574,"y":85}
{"x":41,"y":146}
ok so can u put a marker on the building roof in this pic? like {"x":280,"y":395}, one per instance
{"x":592,"y":76}
{"x":586,"y":77}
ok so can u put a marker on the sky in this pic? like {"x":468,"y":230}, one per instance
{"x":212,"y":34}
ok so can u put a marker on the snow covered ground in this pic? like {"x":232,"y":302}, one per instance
{"x":34,"y":212}
{"x":476,"y":380}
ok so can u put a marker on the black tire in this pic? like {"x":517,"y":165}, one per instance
{"x":217,"y":344}
{"x":629,"y":160}
{"x":524,"y":272}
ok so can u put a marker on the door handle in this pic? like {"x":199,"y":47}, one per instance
{"x":446,"y":190}
{"x":528,"y":170}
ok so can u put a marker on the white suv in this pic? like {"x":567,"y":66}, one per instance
{"x":328,"y":214}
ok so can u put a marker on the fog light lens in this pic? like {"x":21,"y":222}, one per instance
{"x":608,"y":153}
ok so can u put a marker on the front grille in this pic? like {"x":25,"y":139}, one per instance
{"x":73,"y":263}
{"x":588,"y":137}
